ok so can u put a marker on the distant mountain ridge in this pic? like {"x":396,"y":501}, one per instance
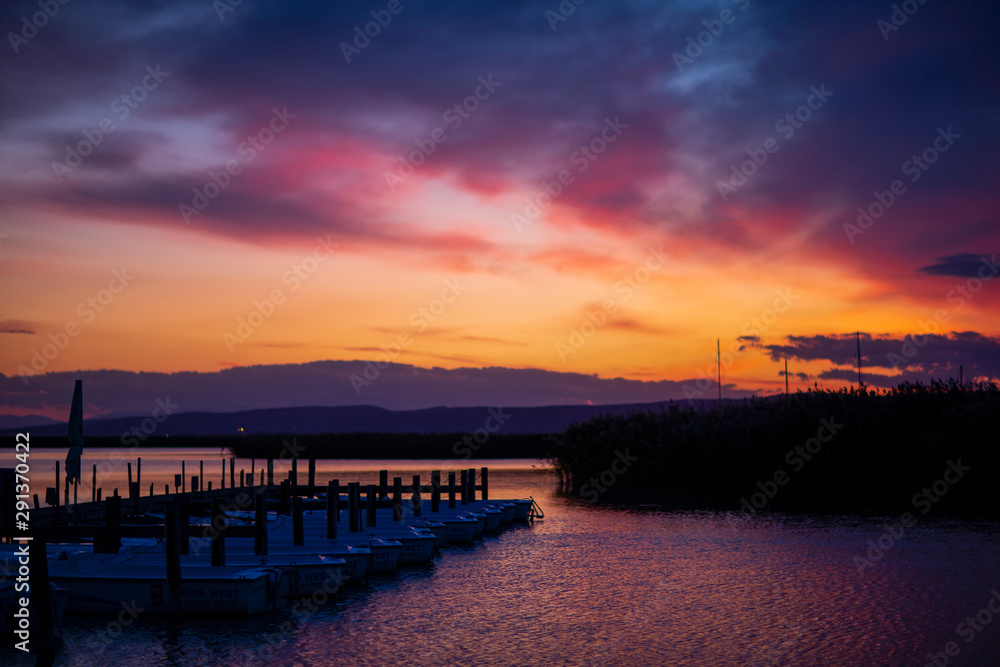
{"x":352,"y":418}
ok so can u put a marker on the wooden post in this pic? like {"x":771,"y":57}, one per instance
{"x":93,"y":485}
{"x":435,"y":490}
{"x":129,"y":464}
{"x":397,"y":498}
{"x":285,"y":499}
{"x":194,"y":483}
{"x":232,"y":474}
{"x":354,"y":525}
{"x":371,"y":505}
{"x":298,"y":534}
{"x":465,"y":487}
{"x":57,"y":492}
{"x":218,"y":535}
{"x":174,"y":539}
{"x":332,"y":508}
{"x":484,"y":475}
{"x":201,"y":473}
{"x":416,"y":495}
{"x":41,"y":602}
{"x":270,"y":471}
{"x":223,"y":474}
{"x":103,"y":545}
{"x":260,"y":524}
{"x":451,"y":489}
{"x":184,"y":503}
{"x":99,"y":495}
{"x":294,"y":476}
{"x":209,"y":485}
{"x":151,"y":489}
{"x":253,"y":470}
{"x":133,"y":494}
{"x":312,"y":477}
{"x":183,"y":478}
{"x":472,"y":485}
{"x":138,"y":471}
{"x":36,"y":500}
{"x":242,"y":481}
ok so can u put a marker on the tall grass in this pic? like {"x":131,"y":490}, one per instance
{"x":892,"y":444}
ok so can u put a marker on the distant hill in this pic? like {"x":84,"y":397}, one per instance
{"x":16,"y":422}
{"x":349,"y":419}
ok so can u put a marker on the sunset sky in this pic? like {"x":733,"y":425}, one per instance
{"x":189,"y":186}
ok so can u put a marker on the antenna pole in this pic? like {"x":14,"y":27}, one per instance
{"x":860,"y":381}
{"x":718,"y":357}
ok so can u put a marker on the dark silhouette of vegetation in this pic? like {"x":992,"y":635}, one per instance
{"x":892,"y":444}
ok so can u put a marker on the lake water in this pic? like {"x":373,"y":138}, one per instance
{"x":598,"y":586}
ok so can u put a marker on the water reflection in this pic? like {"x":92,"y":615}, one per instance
{"x":596,"y":586}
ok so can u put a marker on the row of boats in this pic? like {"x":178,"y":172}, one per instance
{"x":249,"y":583}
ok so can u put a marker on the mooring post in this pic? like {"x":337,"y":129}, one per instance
{"x":472,"y":485}
{"x":416,"y":496}
{"x":242,"y":480}
{"x":93,"y":484}
{"x":397,"y":498}
{"x":332,"y":508}
{"x":383,"y":484}
{"x":260,"y":524}
{"x":354,"y":524}
{"x":270,"y":471}
{"x":41,"y":602}
{"x":218,"y":535}
{"x":183,"y":477}
{"x":134,"y":496}
{"x":102,"y":541}
{"x":232,"y":474}
{"x":435,"y":490}
{"x":370,"y":509}
{"x":201,"y":473}
{"x":151,"y":485}
{"x":138,"y":471}
{"x":194,"y":483}
{"x":312,"y":477}
{"x":118,"y":522}
{"x":294,"y":476}
{"x":451,"y":489}
{"x":57,"y":492}
{"x":223,"y":474}
{"x":129,"y":474}
{"x":298,"y":534}
{"x":174,"y":538}
{"x":184,"y":503}
{"x":484,"y":475}
{"x":285,"y":498}
{"x":465,"y":487}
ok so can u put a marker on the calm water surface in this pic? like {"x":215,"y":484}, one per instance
{"x":593,"y":586}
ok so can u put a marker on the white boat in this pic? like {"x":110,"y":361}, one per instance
{"x":216,"y":591}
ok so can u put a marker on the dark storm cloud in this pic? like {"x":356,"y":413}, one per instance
{"x":963,"y":265}
{"x":917,"y":357}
